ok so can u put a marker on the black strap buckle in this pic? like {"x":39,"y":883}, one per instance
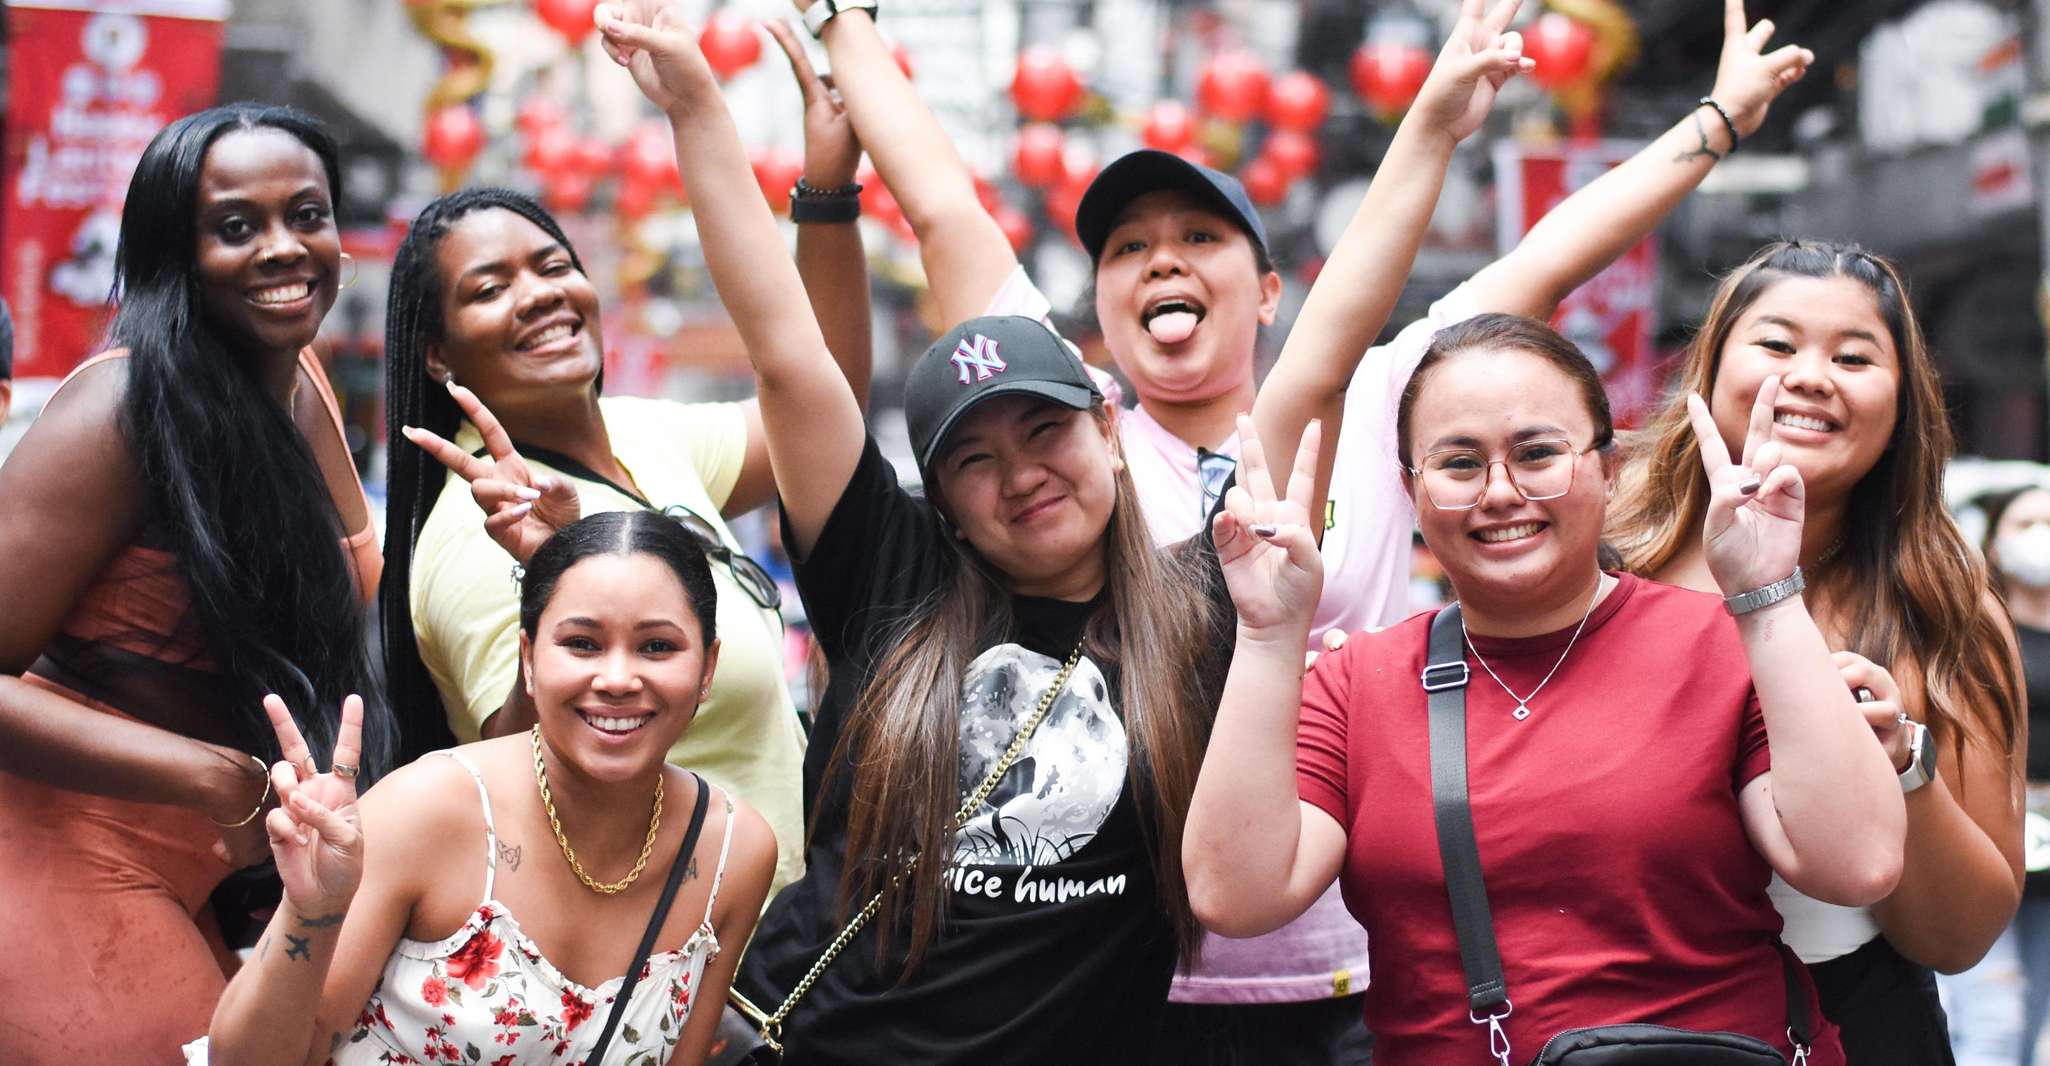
{"x":1441,"y":676}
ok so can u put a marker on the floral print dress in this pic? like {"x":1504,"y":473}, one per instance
{"x":486,"y":995}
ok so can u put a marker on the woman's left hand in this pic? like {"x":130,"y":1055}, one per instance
{"x":1264,"y":544}
{"x":832,"y":152}
{"x":1752,"y":532}
{"x":1879,"y":699}
{"x":650,"y":39}
{"x":1477,"y":59}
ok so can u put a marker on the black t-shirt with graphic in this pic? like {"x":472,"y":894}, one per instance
{"x":1054,"y":946}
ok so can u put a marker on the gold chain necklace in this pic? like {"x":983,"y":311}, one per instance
{"x":548,"y":801}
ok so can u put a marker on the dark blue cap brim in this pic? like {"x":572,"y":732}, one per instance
{"x":1135,"y":174}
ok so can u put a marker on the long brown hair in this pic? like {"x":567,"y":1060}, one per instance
{"x":902,"y":738}
{"x":1907,"y":584}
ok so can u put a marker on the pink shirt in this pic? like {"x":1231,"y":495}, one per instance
{"x":1367,"y":527}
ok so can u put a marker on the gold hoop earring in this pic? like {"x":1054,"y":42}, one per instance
{"x":350,"y":260}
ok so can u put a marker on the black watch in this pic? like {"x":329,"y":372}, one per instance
{"x":809,"y":203}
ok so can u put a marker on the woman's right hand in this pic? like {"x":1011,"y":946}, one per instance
{"x":1477,"y":59}
{"x":314,"y":831}
{"x":649,"y":38}
{"x":832,"y":152}
{"x":1747,"y":78}
{"x":521,"y":509}
{"x":1265,"y":545}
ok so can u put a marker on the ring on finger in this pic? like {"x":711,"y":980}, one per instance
{"x":345,"y":771}
{"x":1900,"y":718}
{"x":307,"y":767}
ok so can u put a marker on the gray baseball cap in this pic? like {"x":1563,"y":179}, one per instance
{"x":983,"y":358}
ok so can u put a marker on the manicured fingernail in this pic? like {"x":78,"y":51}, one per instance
{"x":1750,"y":485}
{"x":407,"y":432}
{"x":525,"y":493}
{"x":1264,"y":530}
{"x":521,"y":509}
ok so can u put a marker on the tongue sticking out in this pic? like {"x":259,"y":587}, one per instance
{"x":1173,"y":327}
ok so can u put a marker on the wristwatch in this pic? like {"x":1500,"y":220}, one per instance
{"x":817,"y":15}
{"x":1767,"y":595}
{"x":1921,"y":756}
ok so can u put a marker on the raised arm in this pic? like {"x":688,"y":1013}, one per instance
{"x":1359,"y":284}
{"x":1255,"y":855}
{"x":1590,"y":229}
{"x":1828,"y":815}
{"x":966,"y":255}
{"x":811,"y":416}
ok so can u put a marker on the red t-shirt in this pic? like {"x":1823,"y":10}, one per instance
{"x":1623,"y":886}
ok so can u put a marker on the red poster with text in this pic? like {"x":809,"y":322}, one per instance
{"x":1611,"y":316}
{"x":89,"y":83}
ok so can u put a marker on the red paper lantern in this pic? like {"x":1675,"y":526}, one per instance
{"x":1298,"y":101}
{"x":1041,"y":156}
{"x":1169,"y":126}
{"x":1562,"y":49}
{"x":453,"y":137}
{"x":1064,"y":199}
{"x":567,"y":192}
{"x":775,"y":171}
{"x":1389,"y":74}
{"x":551,"y":151}
{"x":593,"y":157}
{"x":1016,"y":225}
{"x":650,"y":159}
{"x":571,"y":18}
{"x":1045,"y":87}
{"x":1265,"y":181}
{"x":1294,"y":151}
{"x":1233,"y":86}
{"x":636,"y":199}
{"x":729,"y":43}
{"x":539,"y":113}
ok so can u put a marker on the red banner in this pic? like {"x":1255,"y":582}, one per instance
{"x":89,"y":83}
{"x":1611,"y":316}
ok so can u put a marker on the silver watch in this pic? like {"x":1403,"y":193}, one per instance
{"x":817,"y":15}
{"x":1921,"y":756}
{"x":1767,"y":595}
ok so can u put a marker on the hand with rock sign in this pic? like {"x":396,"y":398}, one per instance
{"x":1481,"y":55}
{"x":315,"y":835}
{"x":1265,"y":545}
{"x":1751,"y":534}
{"x":1747,"y":78}
{"x":650,"y":39}
{"x":521,"y":508}
{"x":832,"y":152}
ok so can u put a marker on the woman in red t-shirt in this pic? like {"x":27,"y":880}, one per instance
{"x":1627,"y":815}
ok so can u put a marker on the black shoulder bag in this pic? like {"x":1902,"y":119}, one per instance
{"x":1638,"y":1044}
{"x":647,"y":948}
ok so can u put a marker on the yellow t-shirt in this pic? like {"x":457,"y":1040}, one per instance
{"x":746,"y":736}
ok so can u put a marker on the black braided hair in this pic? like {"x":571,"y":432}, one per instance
{"x":413,"y":320}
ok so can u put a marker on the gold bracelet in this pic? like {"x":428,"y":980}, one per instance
{"x":263,"y":769}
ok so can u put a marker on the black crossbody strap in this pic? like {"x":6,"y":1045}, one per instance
{"x":1800,"y":1008}
{"x":647,"y":948}
{"x":1444,"y":679}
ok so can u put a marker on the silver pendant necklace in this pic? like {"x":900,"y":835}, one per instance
{"x":1522,"y":710}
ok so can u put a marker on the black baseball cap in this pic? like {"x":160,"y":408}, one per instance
{"x":1135,"y":174}
{"x":982,"y":358}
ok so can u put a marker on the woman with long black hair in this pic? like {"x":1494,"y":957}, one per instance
{"x":184,"y":534}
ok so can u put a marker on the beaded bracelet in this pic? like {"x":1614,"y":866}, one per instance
{"x":264,"y":771}
{"x":809,"y":203}
{"x":1709,"y":101}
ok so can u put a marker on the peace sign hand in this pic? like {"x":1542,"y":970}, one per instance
{"x":1752,"y":532}
{"x":1747,"y":78}
{"x":832,"y":151}
{"x":1477,"y":59}
{"x":521,"y":508}
{"x":314,"y":831}
{"x":649,"y":39}
{"x":1265,"y":546}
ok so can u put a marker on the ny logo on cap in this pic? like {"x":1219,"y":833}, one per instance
{"x":978,"y":354}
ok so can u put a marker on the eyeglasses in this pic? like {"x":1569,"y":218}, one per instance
{"x":1455,"y":479}
{"x":747,"y":573}
{"x":1213,"y":471}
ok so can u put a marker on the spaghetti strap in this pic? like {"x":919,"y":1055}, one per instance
{"x":725,"y":844}
{"x":490,"y":830}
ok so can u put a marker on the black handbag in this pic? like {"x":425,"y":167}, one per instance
{"x":1444,"y":680}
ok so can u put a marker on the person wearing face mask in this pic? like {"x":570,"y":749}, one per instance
{"x":1896,"y":590}
{"x":1182,"y":283}
{"x":2017,"y":547}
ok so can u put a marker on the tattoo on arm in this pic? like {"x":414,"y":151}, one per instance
{"x":509,"y":854}
{"x":690,"y":872}
{"x":298,"y":947}
{"x":325,"y":921}
{"x":1692,"y":154}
